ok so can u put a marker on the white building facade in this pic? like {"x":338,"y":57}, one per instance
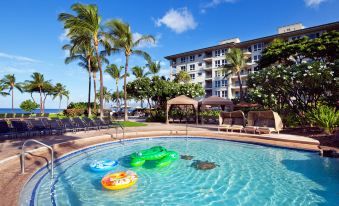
{"x":205,"y":65}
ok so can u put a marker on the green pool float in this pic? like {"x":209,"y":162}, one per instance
{"x":158,"y":153}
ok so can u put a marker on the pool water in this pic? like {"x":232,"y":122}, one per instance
{"x":246,"y":174}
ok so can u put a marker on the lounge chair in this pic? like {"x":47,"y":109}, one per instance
{"x":80,"y":125}
{"x":39,"y":127}
{"x":224,"y":123}
{"x":101,"y":124}
{"x":237,"y":124}
{"x":90,"y":124}
{"x":21,"y":128}
{"x":5,"y":130}
{"x":55,"y":126}
{"x":263,"y":122}
{"x":68,"y":125}
{"x":268,"y":127}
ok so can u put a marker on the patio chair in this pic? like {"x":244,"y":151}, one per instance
{"x":80,"y":125}
{"x":55,"y":127}
{"x":5,"y":130}
{"x":237,"y":124}
{"x":101,"y":124}
{"x":39,"y":127}
{"x":225,"y":123}
{"x":267,"y":127}
{"x":68,"y":125}
{"x":90,"y":124}
{"x":21,"y":128}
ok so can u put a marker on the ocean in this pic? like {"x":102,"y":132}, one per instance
{"x":18,"y":110}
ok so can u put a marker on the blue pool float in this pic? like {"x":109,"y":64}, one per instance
{"x":103,"y":165}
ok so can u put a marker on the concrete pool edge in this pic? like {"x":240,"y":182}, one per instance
{"x":74,"y":145}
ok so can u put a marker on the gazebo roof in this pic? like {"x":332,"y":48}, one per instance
{"x":182,"y":100}
{"x":215,"y":100}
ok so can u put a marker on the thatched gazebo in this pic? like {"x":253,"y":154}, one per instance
{"x":182,"y":100}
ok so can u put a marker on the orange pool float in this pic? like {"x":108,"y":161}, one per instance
{"x":119,"y":180}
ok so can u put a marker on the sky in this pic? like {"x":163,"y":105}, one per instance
{"x":31,"y":36}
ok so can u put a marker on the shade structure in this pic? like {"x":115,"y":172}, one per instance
{"x":239,"y":115}
{"x":216,"y":101}
{"x":182,"y":100}
{"x":254,"y":116}
{"x":246,"y":105}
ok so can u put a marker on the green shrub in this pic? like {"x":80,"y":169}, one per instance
{"x":28,"y":105}
{"x":324,"y":117}
{"x":74,"y":112}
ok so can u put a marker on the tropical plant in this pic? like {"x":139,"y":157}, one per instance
{"x":40,"y":85}
{"x":236,"y":61}
{"x":2,"y":90}
{"x":115,"y":73}
{"x":139,"y":72}
{"x":28,"y":105}
{"x":182,"y":77}
{"x":60,"y":91}
{"x":87,"y":24}
{"x":153,"y":66}
{"x":325,"y":117}
{"x":121,"y":38}
{"x":10,"y":81}
{"x":107,"y":95}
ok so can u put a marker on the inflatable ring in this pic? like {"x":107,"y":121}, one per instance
{"x":103,"y":165}
{"x":119,"y":180}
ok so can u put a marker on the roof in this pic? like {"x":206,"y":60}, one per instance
{"x":182,"y":100}
{"x":215,"y":100}
{"x":329,"y":26}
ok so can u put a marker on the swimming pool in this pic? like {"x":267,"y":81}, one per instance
{"x":246,"y":174}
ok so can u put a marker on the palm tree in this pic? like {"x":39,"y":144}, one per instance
{"x":153,"y":66}
{"x":182,"y":77}
{"x":60,"y":91}
{"x":236,"y":61}
{"x":115,"y":73}
{"x":121,"y":37}
{"x":10,"y":81}
{"x":87,"y":24}
{"x":2,"y":89}
{"x":139,"y":72}
{"x":38,"y":84}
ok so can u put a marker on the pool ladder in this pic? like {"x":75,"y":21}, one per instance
{"x":116,"y":131}
{"x":23,"y":152}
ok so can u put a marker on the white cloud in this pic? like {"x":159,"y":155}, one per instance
{"x":63,"y":37}
{"x":179,"y":20}
{"x":313,"y":3}
{"x":13,"y":70}
{"x":214,"y":3}
{"x":18,"y":58}
{"x":137,"y":35}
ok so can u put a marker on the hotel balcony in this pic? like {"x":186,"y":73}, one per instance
{"x":242,"y":74}
{"x":208,"y":86}
{"x":237,"y":85}
{"x":208,"y":57}
{"x":208,"y":66}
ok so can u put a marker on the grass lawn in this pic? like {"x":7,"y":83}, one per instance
{"x":132,"y":124}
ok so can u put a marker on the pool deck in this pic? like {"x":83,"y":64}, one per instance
{"x":12,"y":181}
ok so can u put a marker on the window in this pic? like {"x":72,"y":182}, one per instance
{"x":199,"y":64}
{"x":182,"y":59}
{"x":237,"y":94}
{"x":217,"y":63}
{"x":222,"y":52}
{"x":199,"y":55}
{"x":183,"y":68}
{"x":217,"y":93}
{"x":199,"y":74}
{"x":257,"y":47}
{"x":223,"y":83}
{"x":217,"y":53}
{"x":192,"y":58}
{"x":224,"y":93}
{"x":217,"y":84}
{"x":256,"y":57}
{"x":192,"y":76}
{"x":223,"y":62}
{"x":192,"y":67}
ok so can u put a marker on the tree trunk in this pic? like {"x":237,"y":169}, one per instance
{"x":101,"y":80}
{"x":89,"y":87}
{"x":240,"y":85}
{"x":60,"y":103}
{"x":118,"y":98}
{"x":40,"y":101}
{"x":125,"y":89}
{"x":12,"y":99}
{"x":95,"y":92}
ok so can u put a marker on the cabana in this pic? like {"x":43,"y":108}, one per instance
{"x":215,"y":101}
{"x":263,"y":122}
{"x":182,"y":100}
{"x":232,"y":120}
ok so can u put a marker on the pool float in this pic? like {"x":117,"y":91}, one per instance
{"x":158,"y":153}
{"x":119,"y":180}
{"x":103,"y":165}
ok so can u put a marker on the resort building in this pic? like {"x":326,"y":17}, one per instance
{"x":205,"y":65}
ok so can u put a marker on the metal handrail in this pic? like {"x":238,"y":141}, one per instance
{"x":23,"y":152}
{"x":123,"y":131}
